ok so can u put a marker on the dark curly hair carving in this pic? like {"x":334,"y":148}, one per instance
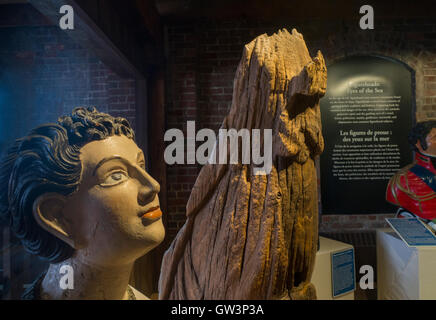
{"x":419,"y":133}
{"x":48,"y":160}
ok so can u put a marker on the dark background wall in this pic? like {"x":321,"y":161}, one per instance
{"x":44,"y":74}
{"x":203,"y":56}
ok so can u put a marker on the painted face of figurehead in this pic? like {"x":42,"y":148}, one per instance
{"x":114,"y":217}
{"x":118,"y":201}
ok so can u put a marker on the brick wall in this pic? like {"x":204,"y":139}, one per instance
{"x":44,"y":74}
{"x":202,"y":61}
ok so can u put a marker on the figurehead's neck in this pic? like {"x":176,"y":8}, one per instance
{"x":90,"y":282}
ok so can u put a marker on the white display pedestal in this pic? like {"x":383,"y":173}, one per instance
{"x":322,"y":273}
{"x":403,"y":272}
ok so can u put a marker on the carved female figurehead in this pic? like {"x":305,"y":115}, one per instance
{"x":77,"y":194}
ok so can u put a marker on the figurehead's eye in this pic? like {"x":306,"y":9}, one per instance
{"x":142,"y":165}
{"x":114,"y":178}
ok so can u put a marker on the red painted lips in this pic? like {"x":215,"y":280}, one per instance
{"x":152,"y":213}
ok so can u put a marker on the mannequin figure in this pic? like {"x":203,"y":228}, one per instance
{"x":413,"y":188}
{"x":77,"y":194}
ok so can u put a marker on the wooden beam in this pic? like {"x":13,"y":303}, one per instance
{"x":104,"y":37}
{"x":147,"y":269}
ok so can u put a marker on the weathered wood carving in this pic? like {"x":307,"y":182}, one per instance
{"x":253,"y":236}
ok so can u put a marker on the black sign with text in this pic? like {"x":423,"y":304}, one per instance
{"x":367,"y":115}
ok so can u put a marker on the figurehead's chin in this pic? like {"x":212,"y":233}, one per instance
{"x":153,"y":234}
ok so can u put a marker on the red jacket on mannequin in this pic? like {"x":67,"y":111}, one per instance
{"x":413,"y":188}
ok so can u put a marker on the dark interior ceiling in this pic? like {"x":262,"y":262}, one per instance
{"x":279,"y":10}
{"x":147,"y":16}
{"x":136,"y":26}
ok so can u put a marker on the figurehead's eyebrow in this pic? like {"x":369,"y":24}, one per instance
{"x":104,"y":160}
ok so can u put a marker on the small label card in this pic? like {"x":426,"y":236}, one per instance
{"x":412,"y":231}
{"x":343,"y":273}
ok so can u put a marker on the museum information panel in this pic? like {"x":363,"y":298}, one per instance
{"x":366,"y":115}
